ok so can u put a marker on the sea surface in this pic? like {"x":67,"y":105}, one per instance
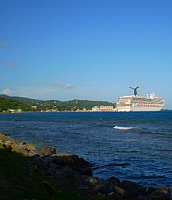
{"x":134,"y":146}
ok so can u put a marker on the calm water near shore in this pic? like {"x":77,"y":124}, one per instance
{"x":134,"y":146}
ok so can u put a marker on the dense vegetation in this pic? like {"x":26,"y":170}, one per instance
{"x":27,"y":104}
{"x":74,"y":104}
{"x":6,"y":104}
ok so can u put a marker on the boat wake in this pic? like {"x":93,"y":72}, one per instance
{"x":123,"y":128}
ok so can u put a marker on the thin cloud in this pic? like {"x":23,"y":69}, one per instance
{"x":63,"y":85}
{"x":12,"y":64}
{"x":6,"y":91}
{"x":38,"y":82}
{"x":60,"y":84}
{"x":5,"y":44}
{"x":68,"y":86}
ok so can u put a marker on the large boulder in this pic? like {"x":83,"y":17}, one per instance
{"x":65,"y":174}
{"x":162,"y":193}
{"x":19,"y":147}
{"x":25,"y":149}
{"x":114,"y":180}
{"x":4,"y":134}
{"x":104,"y":187}
{"x":8,"y":141}
{"x":85,"y":181}
{"x":63,"y":167}
{"x":5,"y":139}
{"x":133,"y":188}
{"x":48,"y":151}
{"x":78,"y":164}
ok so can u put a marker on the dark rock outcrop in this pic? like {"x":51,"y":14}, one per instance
{"x":64,"y":168}
{"x":162,"y":193}
{"x":133,"y":188}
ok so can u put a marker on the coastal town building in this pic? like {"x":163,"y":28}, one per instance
{"x":95,"y":109}
{"x":102,"y":108}
{"x":106,"y":108}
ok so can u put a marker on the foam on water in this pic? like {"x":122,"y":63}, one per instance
{"x":123,"y":128}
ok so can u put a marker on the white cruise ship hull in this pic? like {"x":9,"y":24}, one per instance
{"x":146,"y":109}
{"x":139,"y":103}
{"x":138,"y":109}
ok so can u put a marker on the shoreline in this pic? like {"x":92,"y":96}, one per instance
{"x":87,"y":111}
{"x":70,"y":168}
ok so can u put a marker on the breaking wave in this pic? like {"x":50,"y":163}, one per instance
{"x":123,"y":128}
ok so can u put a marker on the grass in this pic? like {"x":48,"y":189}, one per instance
{"x":19,"y":180}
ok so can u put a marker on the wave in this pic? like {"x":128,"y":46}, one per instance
{"x":123,"y":128}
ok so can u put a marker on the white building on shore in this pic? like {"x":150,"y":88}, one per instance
{"x":95,"y":109}
{"x":103,"y":108}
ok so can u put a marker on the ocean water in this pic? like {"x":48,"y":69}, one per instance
{"x":131,"y":146}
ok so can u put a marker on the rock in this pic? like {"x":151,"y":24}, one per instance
{"x":133,"y":188}
{"x":8,"y":141}
{"x":65,"y":159}
{"x":83,"y":166}
{"x":92,"y":181}
{"x":21,"y":149}
{"x":151,"y":189}
{"x":162,"y":193}
{"x":69,"y":168}
{"x":4,"y":134}
{"x":26,"y":149}
{"x":144,"y":197}
{"x":86,"y":181}
{"x":120,"y":192}
{"x":105,"y":187}
{"x":114,"y":180}
{"x":31,"y":147}
{"x":21,"y":143}
{"x":85,"y":171}
{"x":63,"y":167}
{"x":31,"y":153}
{"x":47,"y":160}
{"x":65,"y":174}
{"x":48,"y":150}
{"x":76,"y":163}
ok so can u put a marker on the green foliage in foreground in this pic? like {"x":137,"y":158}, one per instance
{"x":18,"y":180}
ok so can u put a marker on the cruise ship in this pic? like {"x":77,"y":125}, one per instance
{"x":138,"y":102}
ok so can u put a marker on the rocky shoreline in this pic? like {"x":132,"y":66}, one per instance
{"x":69,"y":168}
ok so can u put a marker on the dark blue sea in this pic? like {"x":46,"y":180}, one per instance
{"x":134,"y":146}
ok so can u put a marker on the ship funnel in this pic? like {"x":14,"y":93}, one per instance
{"x":135,"y":90}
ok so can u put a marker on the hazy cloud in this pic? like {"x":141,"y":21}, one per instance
{"x":38,"y":82}
{"x":6,"y":91}
{"x":68,"y":85}
{"x":60,"y":84}
{"x":5,"y":44}
{"x":12,"y":64}
{"x":63,"y":85}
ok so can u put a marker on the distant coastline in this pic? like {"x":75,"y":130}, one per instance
{"x":20,"y":104}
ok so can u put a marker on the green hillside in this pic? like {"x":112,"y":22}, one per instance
{"x":7,"y":103}
{"x":27,"y":104}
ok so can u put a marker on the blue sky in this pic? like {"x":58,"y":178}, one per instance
{"x":86,"y":49}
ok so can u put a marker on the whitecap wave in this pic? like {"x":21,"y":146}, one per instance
{"x":123,"y":128}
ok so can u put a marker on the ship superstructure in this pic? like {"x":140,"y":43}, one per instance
{"x":139,"y":103}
